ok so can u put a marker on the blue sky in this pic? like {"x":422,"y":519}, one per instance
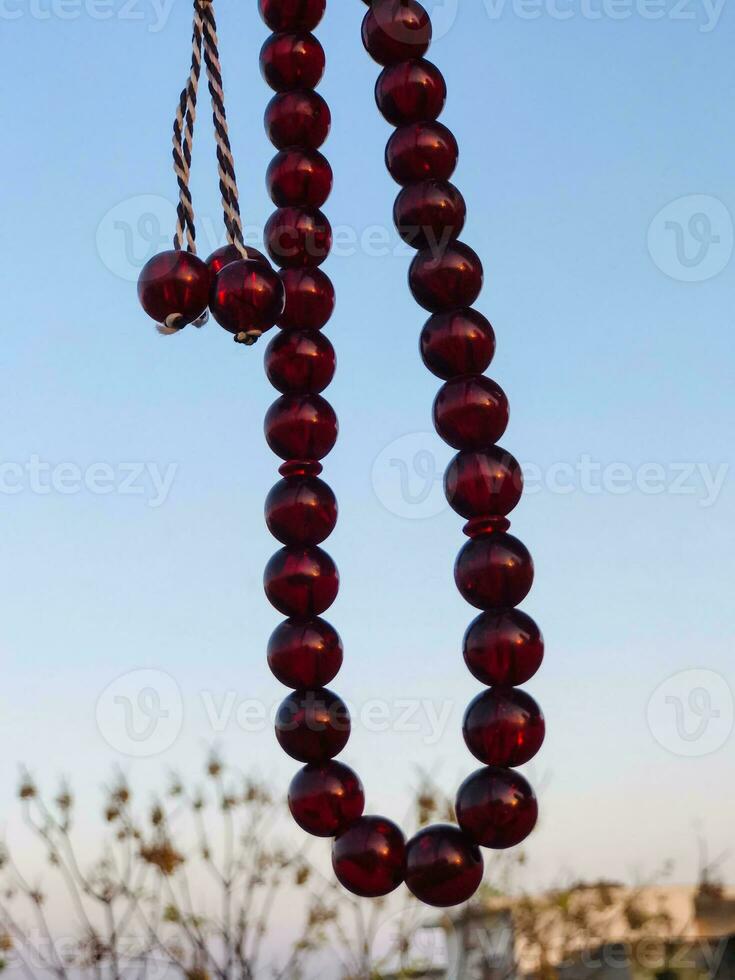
{"x":596,"y":160}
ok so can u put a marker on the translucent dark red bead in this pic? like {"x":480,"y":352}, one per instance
{"x":299,"y":176}
{"x":461,"y":342}
{"x":292,"y":61}
{"x":300,"y":362}
{"x":447,"y":281}
{"x":305,"y":653}
{"x":301,"y":582}
{"x":292,"y":15}
{"x":301,"y":510}
{"x":484,"y":483}
{"x":297,"y":119}
{"x":231,"y":253}
{"x":471,"y":412}
{"x":429,"y":214}
{"x":496,"y":807}
{"x":444,"y":866}
{"x":503,"y":648}
{"x":411,"y":92}
{"x":173,"y":288}
{"x":309,"y":299}
{"x":313,"y":726}
{"x":326,"y":800}
{"x":395,"y":30}
{"x":298,"y":237}
{"x":369,"y":859}
{"x":504,"y":727}
{"x":494,"y":571}
{"x":246,"y":295}
{"x":302,"y":427}
{"x":421,"y":151}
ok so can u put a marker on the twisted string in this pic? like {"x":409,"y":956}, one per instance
{"x":183,"y":136}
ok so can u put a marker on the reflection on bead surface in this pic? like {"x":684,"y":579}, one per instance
{"x":461,"y":342}
{"x":305,"y":653}
{"x":444,"y":867}
{"x":292,"y":15}
{"x":503,"y":648}
{"x":504,"y":727}
{"x":231,"y":253}
{"x":313,"y":726}
{"x":299,"y":176}
{"x":471,"y":412}
{"x":396,"y":30}
{"x":301,"y":427}
{"x":494,"y":571}
{"x":173,"y":288}
{"x":298,"y":237}
{"x":411,"y":92}
{"x":421,"y":151}
{"x":369,"y":859}
{"x":497,"y":807}
{"x":246,"y":295}
{"x":309,"y":299}
{"x":301,"y":581}
{"x":429,"y":214}
{"x":445,"y":282}
{"x":326,"y":800}
{"x":299,"y":362}
{"x":292,"y":61}
{"x":297,"y":119}
{"x":482,"y":484}
{"x":301,"y":510}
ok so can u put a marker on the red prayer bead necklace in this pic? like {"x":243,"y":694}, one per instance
{"x":503,"y":648}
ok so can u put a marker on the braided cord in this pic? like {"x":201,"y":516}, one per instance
{"x":183,"y":135}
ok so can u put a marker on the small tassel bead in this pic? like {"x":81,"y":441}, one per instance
{"x":173,"y":288}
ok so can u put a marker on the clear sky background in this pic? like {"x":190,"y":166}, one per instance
{"x":578,"y":125}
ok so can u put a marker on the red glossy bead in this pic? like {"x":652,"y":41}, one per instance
{"x":411,"y":92}
{"x":229,"y":254}
{"x":297,"y":119}
{"x":421,"y":151}
{"x":309,"y":299}
{"x":483,"y":484}
{"x":300,"y":362}
{"x":301,"y":510}
{"x":444,"y":867}
{"x":173,"y":288}
{"x":292,"y":61}
{"x":299,"y":176}
{"x":369,"y":859}
{"x":430,"y":214}
{"x":313,"y":726}
{"x":496,"y":807}
{"x":448,"y":281}
{"x":471,"y":412}
{"x":305,"y":653}
{"x":452,"y":344}
{"x":292,"y":15}
{"x":326,"y":800}
{"x":396,"y":30}
{"x":246,"y":295}
{"x":298,"y":237}
{"x":503,"y":648}
{"x":302,"y":427}
{"x":301,"y":581}
{"x":504,"y":727}
{"x":494,"y":571}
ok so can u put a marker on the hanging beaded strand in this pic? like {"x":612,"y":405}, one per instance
{"x":503,"y":727}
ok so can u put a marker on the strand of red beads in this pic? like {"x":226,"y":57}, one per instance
{"x":503,"y":727}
